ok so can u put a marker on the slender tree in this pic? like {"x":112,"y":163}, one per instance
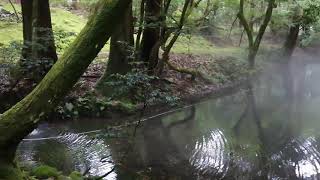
{"x":22,"y":118}
{"x":254,"y":43}
{"x":26,"y":8}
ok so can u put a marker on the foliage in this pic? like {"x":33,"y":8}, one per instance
{"x":311,"y":11}
{"x":310,"y":21}
{"x":90,"y":105}
{"x":10,"y":53}
{"x":226,"y":70}
{"x":9,"y":56}
{"x":82,"y":4}
{"x":140,"y":87}
{"x":61,"y":20}
{"x":63,"y":39}
{"x":43,"y":172}
{"x":75,"y":175}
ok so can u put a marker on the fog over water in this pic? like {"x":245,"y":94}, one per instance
{"x":268,"y":130}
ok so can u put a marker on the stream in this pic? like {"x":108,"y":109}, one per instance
{"x":268,"y":130}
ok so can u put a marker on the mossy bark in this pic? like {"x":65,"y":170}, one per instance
{"x":22,"y":118}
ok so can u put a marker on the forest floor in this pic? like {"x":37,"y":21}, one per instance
{"x":221,"y":71}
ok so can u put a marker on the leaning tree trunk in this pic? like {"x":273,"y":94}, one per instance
{"x":151,"y":33}
{"x":121,"y":45}
{"x":22,"y":118}
{"x":38,"y":52}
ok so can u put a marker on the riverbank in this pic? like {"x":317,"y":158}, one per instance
{"x":187,"y":133}
{"x":171,"y":89}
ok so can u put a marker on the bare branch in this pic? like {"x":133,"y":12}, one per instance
{"x":15,"y":11}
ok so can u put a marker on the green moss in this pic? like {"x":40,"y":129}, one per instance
{"x":61,"y":20}
{"x":194,"y":44}
{"x":66,"y":20}
{"x":45,"y":172}
{"x":9,"y":8}
{"x":126,"y":107}
{"x":75,"y":175}
{"x":199,"y":45}
{"x":10,"y":172}
{"x":10,"y":31}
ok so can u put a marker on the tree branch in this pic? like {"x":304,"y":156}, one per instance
{"x":15,"y":11}
{"x":245,"y":23}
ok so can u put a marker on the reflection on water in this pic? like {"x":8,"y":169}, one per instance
{"x":269,"y":130}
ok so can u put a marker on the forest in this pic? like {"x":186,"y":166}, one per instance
{"x":159,"y":89}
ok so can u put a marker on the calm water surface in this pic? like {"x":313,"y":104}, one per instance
{"x":269,"y":130}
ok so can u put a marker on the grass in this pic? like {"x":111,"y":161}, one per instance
{"x":66,"y":20}
{"x":69,"y":22}
{"x":61,"y":19}
{"x":10,"y":32}
{"x":199,"y":45}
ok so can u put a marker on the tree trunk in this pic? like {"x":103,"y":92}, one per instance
{"x":39,"y":50}
{"x":26,"y":8}
{"x":44,"y":49}
{"x":151,"y":33}
{"x":121,"y":45}
{"x":291,"y":41}
{"x":293,"y":34}
{"x":252,"y":57}
{"x":22,"y":118}
{"x":254,"y":43}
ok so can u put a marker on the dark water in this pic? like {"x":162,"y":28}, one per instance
{"x":269,"y":130}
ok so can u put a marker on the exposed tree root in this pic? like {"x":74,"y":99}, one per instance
{"x":191,"y":72}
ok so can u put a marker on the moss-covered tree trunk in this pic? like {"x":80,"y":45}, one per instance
{"x":22,"y":118}
{"x":121,"y":49}
{"x":151,"y":33}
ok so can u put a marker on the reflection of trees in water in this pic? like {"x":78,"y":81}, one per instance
{"x":70,"y":152}
{"x":281,"y":154}
{"x":255,"y":134}
{"x":161,"y":149}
